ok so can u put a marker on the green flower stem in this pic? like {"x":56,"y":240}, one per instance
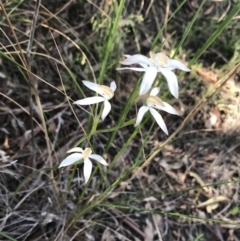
{"x":91,"y":205}
{"x":104,"y":193}
{"x":115,"y":128}
{"x":110,"y":42}
{"x":108,"y":49}
{"x":124,"y":113}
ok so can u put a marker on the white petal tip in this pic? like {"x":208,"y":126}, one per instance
{"x":78,"y":102}
{"x":176,"y":95}
{"x":62,"y":165}
{"x":75,"y":149}
{"x":137,"y":124}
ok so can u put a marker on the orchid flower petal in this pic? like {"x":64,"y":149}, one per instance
{"x":159,"y":120}
{"x":145,"y":66}
{"x":106,"y":109}
{"x":91,"y":85}
{"x":140,"y":114}
{"x":155,"y":91}
{"x":69,"y":160}
{"x":168,"y":108}
{"x":171,"y":80}
{"x":136,"y":59}
{"x":75,"y":149}
{"x":113,"y":86}
{"x":133,"y":68}
{"x":89,"y":101}
{"x":148,"y":80}
{"x":87,"y":169}
{"x":176,"y":64}
{"x":99,"y":159}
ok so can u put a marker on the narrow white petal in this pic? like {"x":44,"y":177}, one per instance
{"x":87,"y":169}
{"x":113,"y":86}
{"x":145,"y":66}
{"x":91,"y":85}
{"x":75,"y":149}
{"x":171,"y":80}
{"x":140,"y":114}
{"x":168,"y":108}
{"x":159,"y":120}
{"x":89,"y":101}
{"x":155,"y":91}
{"x":175,"y":64}
{"x":133,"y":68}
{"x":69,"y":160}
{"x":99,"y":159}
{"x":136,"y":59}
{"x":106,"y":109}
{"x":148,"y":80}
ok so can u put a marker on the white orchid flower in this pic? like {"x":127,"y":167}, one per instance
{"x":151,"y":66}
{"x":154,"y":102}
{"x":106,"y":94}
{"x":78,"y":154}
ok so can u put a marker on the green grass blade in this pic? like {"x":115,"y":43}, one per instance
{"x":189,"y":27}
{"x":110,"y":42}
{"x":165,"y":25}
{"x":7,"y":236}
{"x":217,"y":32}
{"x":109,"y":46}
{"x":13,"y":8}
